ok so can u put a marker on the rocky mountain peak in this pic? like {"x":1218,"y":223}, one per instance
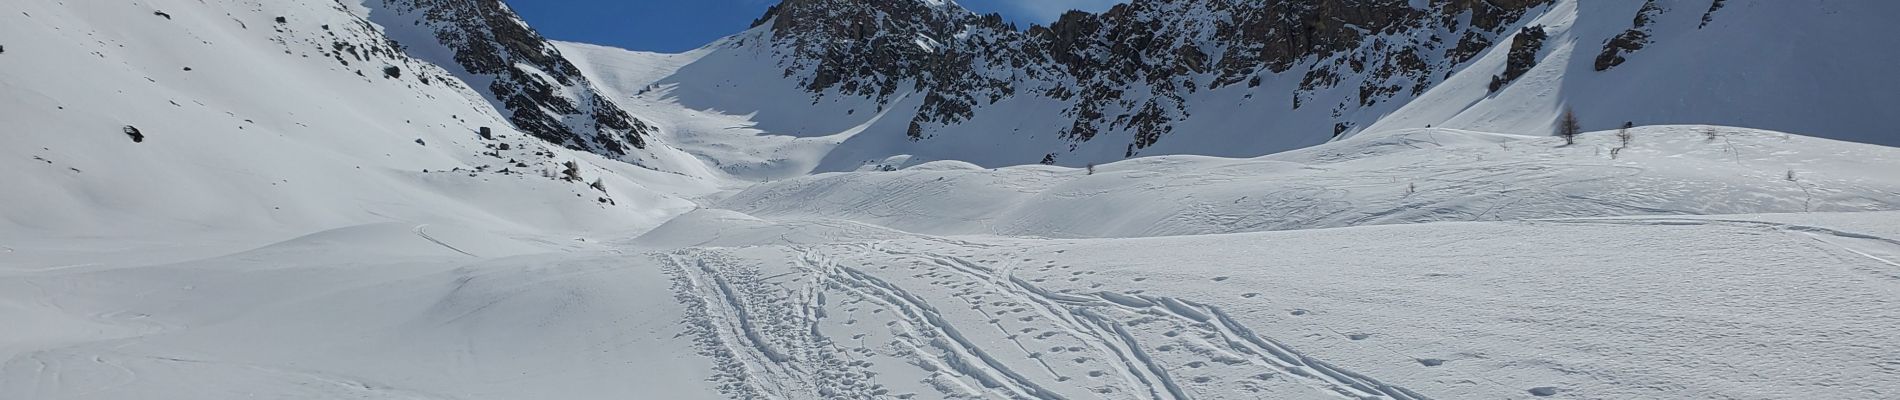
{"x":1127,"y":72}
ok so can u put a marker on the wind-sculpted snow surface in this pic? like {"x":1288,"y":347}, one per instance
{"x":278,"y":118}
{"x":216,"y":199}
{"x":1558,"y":308}
{"x":1402,"y":177}
{"x":1310,"y":314}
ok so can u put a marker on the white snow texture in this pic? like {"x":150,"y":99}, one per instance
{"x":291,"y":223}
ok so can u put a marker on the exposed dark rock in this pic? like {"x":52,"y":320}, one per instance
{"x":571,"y":171}
{"x":1524,"y":48}
{"x":137,"y":136}
{"x":392,"y":72}
{"x":542,"y":93}
{"x":162,"y":14}
{"x":1709,"y":16}
{"x":1630,"y":40}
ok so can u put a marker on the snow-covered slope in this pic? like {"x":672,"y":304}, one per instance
{"x":220,"y":199}
{"x":251,"y":124}
{"x":1573,"y":309}
{"x":1408,"y":176}
{"x":1568,"y":309}
{"x":760,"y":129}
{"x":365,"y":312}
{"x":1238,"y":79}
{"x":1825,"y":79}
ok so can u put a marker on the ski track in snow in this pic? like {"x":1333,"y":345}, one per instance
{"x":422,"y":231}
{"x":771,"y":336}
{"x":1878,"y":249}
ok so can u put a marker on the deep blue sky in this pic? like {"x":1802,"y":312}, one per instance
{"x":680,"y":25}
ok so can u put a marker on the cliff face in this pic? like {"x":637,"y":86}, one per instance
{"x":521,"y":73}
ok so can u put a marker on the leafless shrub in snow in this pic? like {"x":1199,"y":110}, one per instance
{"x":1568,"y":127}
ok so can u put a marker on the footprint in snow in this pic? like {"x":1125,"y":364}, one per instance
{"x":1431,"y":362}
{"x":1220,"y":279}
{"x":1545,"y":391}
{"x":1359,"y":336}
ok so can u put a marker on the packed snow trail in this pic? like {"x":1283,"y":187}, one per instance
{"x":987,"y":338}
{"x":422,"y":231}
{"x":1093,"y":318}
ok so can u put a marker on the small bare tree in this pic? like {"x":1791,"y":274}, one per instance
{"x":1624,"y":135}
{"x":1568,"y":127}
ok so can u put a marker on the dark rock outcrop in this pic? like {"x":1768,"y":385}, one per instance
{"x":1709,"y":16}
{"x":1633,"y":39}
{"x":1524,"y":48}
{"x":543,"y":93}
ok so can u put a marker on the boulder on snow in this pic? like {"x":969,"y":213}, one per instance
{"x":137,"y":137}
